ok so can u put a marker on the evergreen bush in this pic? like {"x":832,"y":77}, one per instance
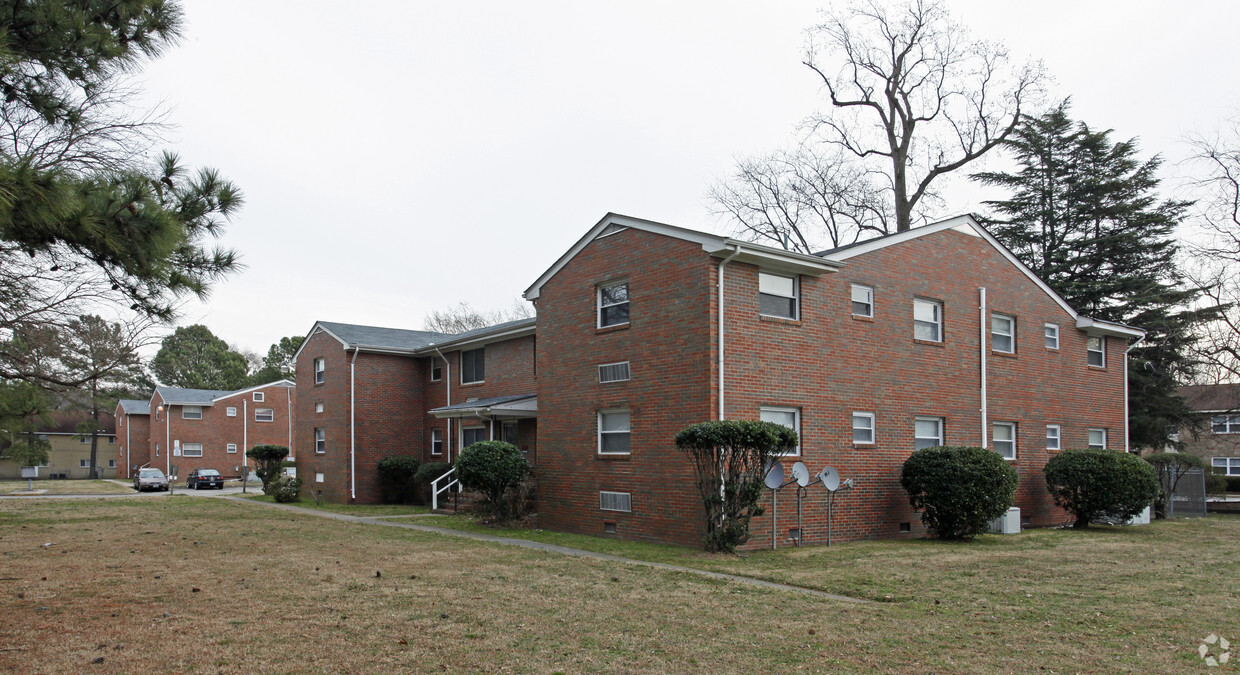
{"x":958,"y":489}
{"x":285,"y":489}
{"x":1095,"y":483}
{"x":396,"y":478}
{"x":492,"y":468}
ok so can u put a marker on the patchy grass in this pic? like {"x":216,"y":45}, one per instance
{"x":363,"y":510}
{"x":67,"y":487}
{"x":292,"y":593}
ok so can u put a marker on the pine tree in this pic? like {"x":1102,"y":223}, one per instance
{"x":1085,"y":216}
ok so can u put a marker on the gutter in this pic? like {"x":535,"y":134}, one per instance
{"x":447,"y":374}
{"x":352,"y":427}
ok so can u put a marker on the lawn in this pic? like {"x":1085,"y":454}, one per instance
{"x":214,"y":585}
{"x":67,"y":487}
{"x":362,"y":510}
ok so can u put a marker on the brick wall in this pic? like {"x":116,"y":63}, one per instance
{"x":133,"y":436}
{"x":333,"y":396}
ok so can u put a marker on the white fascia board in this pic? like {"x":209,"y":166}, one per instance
{"x":288,"y":384}
{"x":774,"y":259}
{"x":484,"y":339}
{"x":317,"y":327}
{"x":1100,"y":327}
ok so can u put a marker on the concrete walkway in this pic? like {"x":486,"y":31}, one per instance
{"x":563,"y":550}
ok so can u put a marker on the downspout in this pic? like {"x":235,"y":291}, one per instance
{"x":447,"y":373}
{"x":1126,"y":352}
{"x":288,"y":410}
{"x":245,"y":436}
{"x":983,"y":347}
{"x":353,"y":426}
{"x":128,"y":461}
{"x":722,"y":263}
{"x":167,"y":439}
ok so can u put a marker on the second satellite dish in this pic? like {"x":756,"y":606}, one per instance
{"x":801,"y":473}
{"x":775,"y":475}
{"x":830,"y":478}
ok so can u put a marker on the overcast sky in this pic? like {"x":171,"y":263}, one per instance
{"x":401,"y":156}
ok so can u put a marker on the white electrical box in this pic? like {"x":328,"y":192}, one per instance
{"x":1008,"y":523}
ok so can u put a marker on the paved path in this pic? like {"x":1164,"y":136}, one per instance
{"x":563,"y":550}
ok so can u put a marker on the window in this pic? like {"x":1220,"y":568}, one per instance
{"x":1003,"y":438}
{"x":318,"y":407}
{"x":436,"y":441}
{"x":111,"y":440}
{"x":1229,"y":465}
{"x":1052,"y":437}
{"x":788,"y":417}
{"x":615,"y":501}
{"x":156,"y":449}
{"x":318,"y":478}
{"x":928,"y":320}
{"x":264,"y":415}
{"x":259,"y":397}
{"x":111,"y":463}
{"x":1003,"y":333}
{"x":436,"y":369}
{"x":231,"y":448}
{"x":777,"y":296}
{"x":471,"y":435}
{"x":613,"y":372}
{"x":84,"y":463}
{"x":1097,"y":438}
{"x":1096,"y":350}
{"x":83,"y":439}
{"x":191,"y":449}
{"x":927,"y":432}
{"x":473,"y":365}
{"x":863,"y":427}
{"x":509,"y":432}
{"x":230,"y":411}
{"x":613,"y":305}
{"x":320,"y":371}
{"x":613,"y":432}
{"x":191,"y":412}
{"x":320,"y":440}
{"x":1225,"y":424}
{"x":1050,"y":332}
{"x":862,"y":300}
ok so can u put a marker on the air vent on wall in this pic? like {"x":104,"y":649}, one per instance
{"x":615,"y":501}
{"x":613,"y":372}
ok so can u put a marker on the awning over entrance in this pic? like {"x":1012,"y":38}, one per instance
{"x":520,"y":405}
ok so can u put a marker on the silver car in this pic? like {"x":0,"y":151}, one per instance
{"x":150,"y":479}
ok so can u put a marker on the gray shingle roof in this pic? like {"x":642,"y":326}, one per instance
{"x":179,"y":396}
{"x":385,"y":338}
{"x":134,"y":407}
{"x":1215,"y":397}
{"x":485,"y":402}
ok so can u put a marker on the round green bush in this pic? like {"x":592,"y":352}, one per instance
{"x":396,"y":478}
{"x":285,"y":489}
{"x":492,"y":467}
{"x":958,"y":490}
{"x":1097,"y":483}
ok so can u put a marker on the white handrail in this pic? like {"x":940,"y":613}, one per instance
{"x":435,"y":489}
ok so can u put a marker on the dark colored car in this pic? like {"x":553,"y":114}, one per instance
{"x":150,"y":479}
{"x":204,"y":477}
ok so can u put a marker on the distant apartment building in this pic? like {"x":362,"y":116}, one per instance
{"x":69,"y":452}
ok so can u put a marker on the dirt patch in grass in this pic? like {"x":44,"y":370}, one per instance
{"x":285,"y":592}
{"x":360,"y":510}
{"x":67,"y":487}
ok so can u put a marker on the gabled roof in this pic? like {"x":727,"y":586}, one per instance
{"x":131,"y":406}
{"x":967,"y":224}
{"x":501,"y":331}
{"x":179,"y":396}
{"x":65,"y":422}
{"x":286,"y":384}
{"x":720,"y":247}
{"x":1211,"y":397}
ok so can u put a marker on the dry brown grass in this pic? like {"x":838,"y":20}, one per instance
{"x":280,"y":592}
{"x":67,"y":487}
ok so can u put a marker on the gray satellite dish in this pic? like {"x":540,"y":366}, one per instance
{"x":830,"y":478}
{"x":775,"y":476}
{"x":801,"y":473}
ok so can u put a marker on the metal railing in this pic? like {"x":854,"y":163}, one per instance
{"x":436,"y":489}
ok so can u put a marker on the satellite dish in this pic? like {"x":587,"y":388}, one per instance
{"x":801,"y":473}
{"x":775,"y":475}
{"x":830,"y":478}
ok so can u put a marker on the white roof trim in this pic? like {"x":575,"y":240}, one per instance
{"x":483,"y":339}
{"x":278,"y":383}
{"x":317,"y":327}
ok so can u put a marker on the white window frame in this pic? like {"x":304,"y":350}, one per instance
{"x":600,"y":306}
{"x":1101,"y":351}
{"x":796,"y":424}
{"x":260,"y":397}
{"x":230,"y":411}
{"x":615,"y":367}
{"x":231,"y":448}
{"x":937,"y":323}
{"x":1005,"y":447}
{"x":187,"y":412}
{"x":111,"y":463}
{"x":271,"y":415}
{"x":870,"y":428}
{"x":484,"y":365}
{"x":920,"y":440}
{"x":795,"y":297}
{"x":618,"y":501}
{"x":472,"y":429}
{"x":867,"y":301}
{"x":320,"y":440}
{"x":627,"y":431}
{"x":1229,"y":465}
{"x":320,"y":370}
{"x":319,"y":477}
{"x":1050,"y":335}
{"x":436,"y":442}
{"x":318,"y":407}
{"x":1054,"y":437}
{"x":83,"y":463}
{"x":999,"y":335}
{"x":185,"y":449}
{"x":1230,"y":424}
{"x":436,"y":369}
{"x":1097,"y":431}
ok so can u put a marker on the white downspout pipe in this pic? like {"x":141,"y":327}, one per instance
{"x":447,"y":373}
{"x":722,"y":263}
{"x":245,"y":435}
{"x":1127,"y":446}
{"x":983,"y":348}
{"x":288,"y":410}
{"x":167,"y":440}
{"x":353,"y":427}
{"x":128,"y":460}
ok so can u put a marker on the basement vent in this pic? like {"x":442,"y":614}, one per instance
{"x":615,"y":501}
{"x":613,"y":372}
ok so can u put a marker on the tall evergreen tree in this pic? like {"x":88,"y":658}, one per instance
{"x":105,"y":356}
{"x":1085,"y":215}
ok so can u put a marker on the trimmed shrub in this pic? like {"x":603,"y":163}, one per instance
{"x":425,"y":475}
{"x":396,"y":478}
{"x":730,"y":458}
{"x":1097,"y":483}
{"x":958,"y":489}
{"x":285,"y":489}
{"x":492,"y":468}
{"x":268,"y":463}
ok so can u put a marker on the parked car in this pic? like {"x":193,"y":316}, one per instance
{"x":150,"y":479}
{"x":208,"y":477}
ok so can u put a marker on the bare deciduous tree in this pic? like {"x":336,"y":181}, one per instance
{"x":462,"y":317}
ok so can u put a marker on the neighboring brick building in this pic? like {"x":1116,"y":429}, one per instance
{"x":133,"y":434}
{"x":1218,"y":442}
{"x":69,"y":454}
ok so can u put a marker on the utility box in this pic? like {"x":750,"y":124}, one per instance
{"x":1008,"y":523}
{"x":30,"y":472}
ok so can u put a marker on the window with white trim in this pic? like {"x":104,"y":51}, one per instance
{"x":615,"y":501}
{"x":1050,"y":333}
{"x":1229,"y":465}
{"x":1003,"y":333}
{"x":777,"y":296}
{"x":1003,"y":439}
{"x":84,"y":463}
{"x":1096,"y":351}
{"x":1052,"y":436}
{"x":473,"y":365}
{"x":863,"y":427}
{"x":318,"y":477}
{"x":320,"y":370}
{"x":264,"y":415}
{"x":1097,"y":438}
{"x":613,"y":432}
{"x":231,"y":448}
{"x":863,"y":300}
{"x":613,"y":372}
{"x":230,"y":411}
{"x":318,"y":407}
{"x":471,"y":435}
{"x":191,"y":412}
{"x":260,"y":397}
{"x":320,"y":440}
{"x":111,"y":463}
{"x":927,"y":432}
{"x":927,"y":320}
{"x":788,"y":417}
{"x":1225,"y":424}
{"x":191,"y":449}
{"x":436,"y":369}
{"x":613,"y":304}
{"x":436,"y":441}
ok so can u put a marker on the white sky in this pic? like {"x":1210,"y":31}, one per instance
{"x":401,"y":156}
